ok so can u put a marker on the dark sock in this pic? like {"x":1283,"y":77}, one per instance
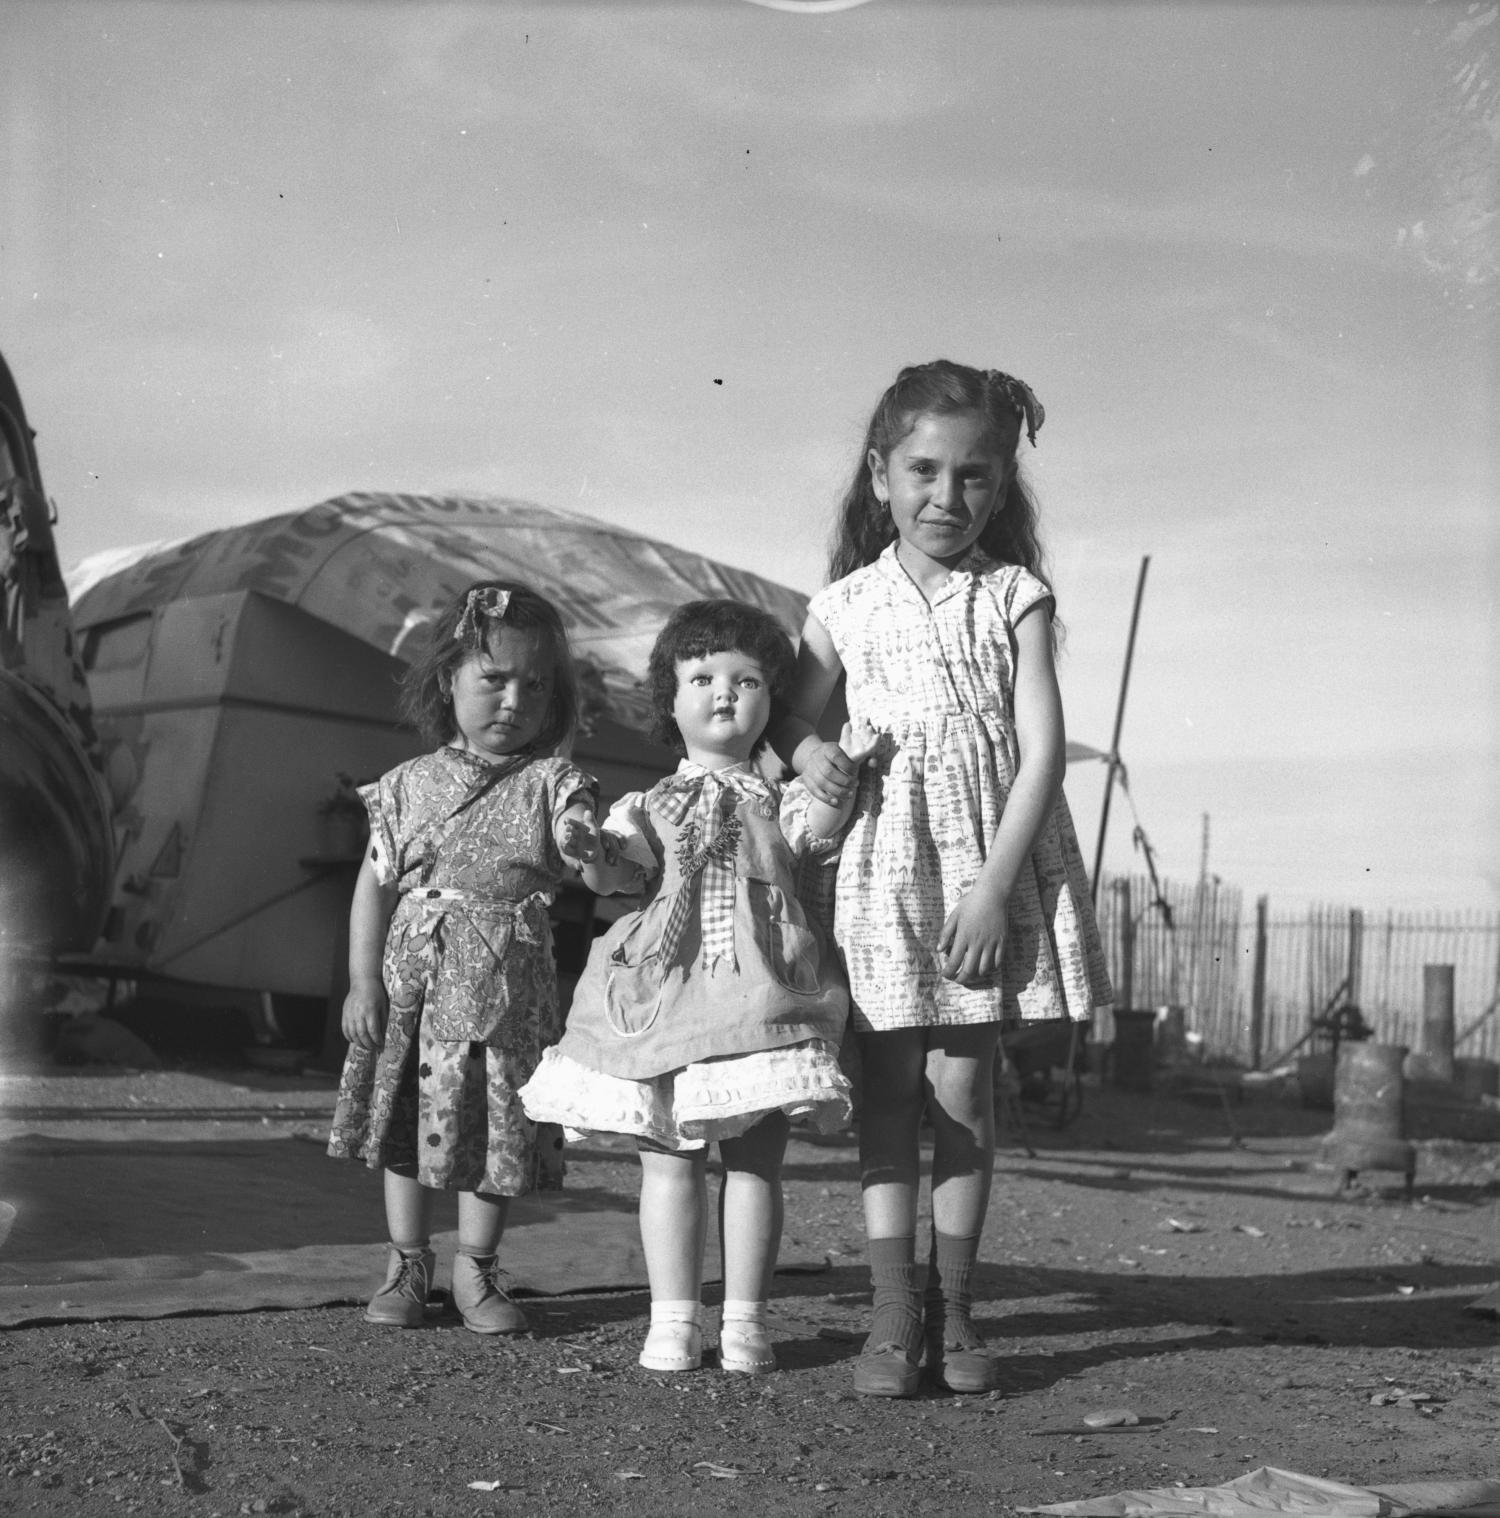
{"x":898,"y":1305}
{"x":949,"y":1288}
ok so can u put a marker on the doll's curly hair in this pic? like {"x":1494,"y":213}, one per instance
{"x":701,"y":628}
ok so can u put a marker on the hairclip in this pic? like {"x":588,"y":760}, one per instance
{"x":1021,"y":398}
{"x":483,"y":605}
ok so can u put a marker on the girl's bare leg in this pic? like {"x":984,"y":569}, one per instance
{"x":478,"y":1292}
{"x":408,"y":1211}
{"x":401,"y":1301}
{"x":960,"y":1078}
{"x":481,"y":1221}
{"x":890,"y":1116}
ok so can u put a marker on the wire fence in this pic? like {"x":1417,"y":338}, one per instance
{"x":1251,"y":982}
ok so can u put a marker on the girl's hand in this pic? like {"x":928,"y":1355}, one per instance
{"x":973,"y":937}
{"x":365,"y":1009}
{"x":860,"y":743}
{"x":577,"y":836}
{"x":830,"y":774}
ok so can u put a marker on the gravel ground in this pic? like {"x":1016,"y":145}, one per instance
{"x":1240,"y":1306}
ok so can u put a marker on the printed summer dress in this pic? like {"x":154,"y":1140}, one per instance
{"x":940,"y":679}
{"x":468,"y":970}
{"x":717,"y":1001}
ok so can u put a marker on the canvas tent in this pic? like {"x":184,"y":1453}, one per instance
{"x":236,"y":675}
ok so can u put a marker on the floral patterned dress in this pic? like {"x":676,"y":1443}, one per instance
{"x":469,"y":972}
{"x":940,"y":679}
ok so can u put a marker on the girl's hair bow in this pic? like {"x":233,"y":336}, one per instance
{"x":483,"y":604}
{"x":1021,"y":398}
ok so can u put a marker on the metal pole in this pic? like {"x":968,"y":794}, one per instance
{"x":1114,"y":743}
{"x":1258,"y":984}
{"x":1127,"y":943}
{"x":1437,"y":1020}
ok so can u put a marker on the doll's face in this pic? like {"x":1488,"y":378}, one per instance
{"x":722,"y":707}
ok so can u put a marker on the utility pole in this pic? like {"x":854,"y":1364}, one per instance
{"x":1114,"y":742}
{"x":1201,"y":948}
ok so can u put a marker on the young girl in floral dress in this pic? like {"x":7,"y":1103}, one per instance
{"x":452,"y":984}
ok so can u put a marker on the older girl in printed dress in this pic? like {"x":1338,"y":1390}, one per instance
{"x":962,"y":899}
{"x":452,"y":983}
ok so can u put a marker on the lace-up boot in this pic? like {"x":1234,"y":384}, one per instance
{"x":402,"y":1301}
{"x":482,"y":1301}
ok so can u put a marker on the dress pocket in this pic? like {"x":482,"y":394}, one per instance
{"x":796,"y":958}
{"x":632,"y":980}
{"x":791,"y":949}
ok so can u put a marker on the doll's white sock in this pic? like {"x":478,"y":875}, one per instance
{"x":677,"y":1312}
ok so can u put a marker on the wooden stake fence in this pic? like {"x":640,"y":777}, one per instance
{"x":1252,"y":983}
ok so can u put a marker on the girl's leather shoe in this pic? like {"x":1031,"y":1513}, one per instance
{"x":402,"y":1301}
{"x":961,"y":1367}
{"x":886,"y":1370}
{"x":482,"y":1302}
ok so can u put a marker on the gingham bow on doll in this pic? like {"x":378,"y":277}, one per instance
{"x":705,"y":851}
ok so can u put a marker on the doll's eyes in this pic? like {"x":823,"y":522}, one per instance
{"x":750,"y":682}
{"x":704,"y":679}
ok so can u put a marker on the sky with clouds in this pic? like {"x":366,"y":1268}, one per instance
{"x":656,"y":262}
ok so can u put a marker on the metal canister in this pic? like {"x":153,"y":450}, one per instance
{"x":1369,"y":1113}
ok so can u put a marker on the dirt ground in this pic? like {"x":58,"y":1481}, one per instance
{"x":1246,"y":1311}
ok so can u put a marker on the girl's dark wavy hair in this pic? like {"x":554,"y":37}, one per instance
{"x":701,"y":628}
{"x":863,"y":528}
{"x":426,"y":688}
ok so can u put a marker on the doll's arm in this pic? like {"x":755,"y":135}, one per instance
{"x":858,"y":744}
{"x":973,"y":937}
{"x":825,"y":768}
{"x":365,"y":1006}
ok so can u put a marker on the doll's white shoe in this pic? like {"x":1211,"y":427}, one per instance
{"x":675,"y":1339}
{"x":745,"y":1347}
